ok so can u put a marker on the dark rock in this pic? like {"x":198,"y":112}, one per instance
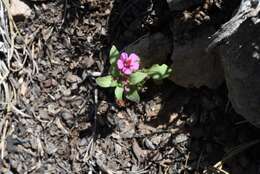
{"x":242,"y":71}
{"x":193,"y":66}
{"x":197,"y":132}
{"x":152,"y":49}
{"x":180,"y":5}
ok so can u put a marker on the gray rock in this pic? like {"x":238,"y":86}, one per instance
{"x":242,"y":70}
{"x":193,"y":66}
{"x":152,"y":49}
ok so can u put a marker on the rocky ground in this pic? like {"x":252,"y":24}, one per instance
{"x":73,"y":126}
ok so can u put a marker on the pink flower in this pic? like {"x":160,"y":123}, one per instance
{"x":128,"y":64}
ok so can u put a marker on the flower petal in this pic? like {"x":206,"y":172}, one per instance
{"x":120,"y":64}
{"x":127,"y":71}
{"x":123,"y":56}
{"x":127,"y":89}
{"x":134,"y":57}
{"x":135,"y":66}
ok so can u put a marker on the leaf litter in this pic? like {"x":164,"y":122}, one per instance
{"x":60,"y":122}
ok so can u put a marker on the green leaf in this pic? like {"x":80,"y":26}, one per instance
{"x":114,"y":83}
{"x":119,"y":93}
{"x":133,"y":96}
{"x":159,"y":72}
{"x":113,"y":55}
{"x":137,"y":77}
{"x":114,"y":71}
{"x":105,"y":81}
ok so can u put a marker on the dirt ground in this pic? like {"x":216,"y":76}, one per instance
{"x":73,"y":126}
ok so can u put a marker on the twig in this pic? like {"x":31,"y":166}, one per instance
{"x":65,"y":13}
{"x":16,"y":110}
{"x":171,"y":131}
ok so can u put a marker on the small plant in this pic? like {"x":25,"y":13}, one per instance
{"x":126,"y":76}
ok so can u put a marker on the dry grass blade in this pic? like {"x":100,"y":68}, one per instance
{"x":2,"y":144}
{"x":239,"y":149}
{"x":5,"y":92}
{"x":217,"y":168}
{"x":89,"y":150}
{"x":13,"y":61}
{"x":3,"y":72}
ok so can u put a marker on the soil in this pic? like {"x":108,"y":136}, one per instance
{"x":73,"y":126}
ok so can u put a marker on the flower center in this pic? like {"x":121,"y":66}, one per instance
{"x":127,"y":63}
